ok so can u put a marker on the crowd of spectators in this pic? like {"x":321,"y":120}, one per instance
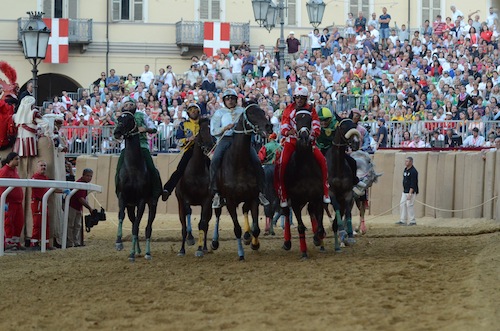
{"x":435,"y":86}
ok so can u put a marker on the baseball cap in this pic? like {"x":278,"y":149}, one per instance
{"x":382,"y":120}
{"x":291,"y":32}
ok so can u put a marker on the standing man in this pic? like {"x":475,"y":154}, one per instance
{"x":381,"y":133}
{"x":410,"y":190}
{"x":248,"y":62}
{"x":261,"y":63}
{"x":360,"y":23}
{"x":147,"y":77}
{"x":384,"y":21}
{"x":76,"y":204}
{"x":112,"y":81}
{"x":293,"y":45}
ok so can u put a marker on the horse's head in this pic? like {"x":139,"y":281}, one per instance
{"x":254,"y":120}
{"x":303,"y":121}
{"x":204,"y":139}
{"x":366,"y":169}
{"x":126,"y":125}
{"x":346,"y":132}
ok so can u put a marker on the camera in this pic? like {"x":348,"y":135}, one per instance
{"x":94,"y":218}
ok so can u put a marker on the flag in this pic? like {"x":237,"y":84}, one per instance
{"x":216,"y":36}
{"x":58,"y":49}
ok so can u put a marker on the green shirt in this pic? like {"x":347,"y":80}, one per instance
{"x":325,"y":139}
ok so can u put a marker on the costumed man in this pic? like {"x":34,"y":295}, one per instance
{"x":221,"y":127}
{"x":31,"y":128}
{"x":145,"y":125}
{"x":329,"y":124}
{"x":8,"y":102}
{"x":186,"y":133}
{"x":289,"y":130}
{"x":14,"y":214}
{"x":270,"y":151}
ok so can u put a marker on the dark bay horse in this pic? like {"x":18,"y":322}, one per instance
{"x":133,"y":186}
{"x":304,"y":183}
{"x":193,"y":187}
{"x":237,"y":178}
{"x":340,"y":177}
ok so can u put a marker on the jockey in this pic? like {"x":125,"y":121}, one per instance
{"x":328,"y":126}
{"x":365,"y":139}
{"x":186,"y":133}
{"x":221,"y":127}
{"x":145,"y":126}
{"x":270,"y":151}
{"x":289,"y":131}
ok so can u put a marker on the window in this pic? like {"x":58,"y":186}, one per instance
{"x":60,"y":8}
{"x":290,"y":12}
{"x":430,"y":9}
{"x":356,"y":6}
{"x":127,"y":10}
{"x":210,"y":10}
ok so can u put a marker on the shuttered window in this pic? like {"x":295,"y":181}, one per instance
{"x":210,"y":10}
{"x":430,"y":9}
{"x":60,"y":8}
{"x":127,"y":10}
{"x":291,"y":12}
{"x":356,"y":6}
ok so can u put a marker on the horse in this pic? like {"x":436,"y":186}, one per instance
{"x":193,"y":188}
{"x":133,"y":186}
{"x":304,"y":183}
{"x":340,"y":178}
{"x":236,"y":178}
{"x":366,"y":173}
{"x":272,"y":210}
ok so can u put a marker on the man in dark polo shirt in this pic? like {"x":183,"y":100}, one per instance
{"x":76,"y":204}
{"x":293,"y":45}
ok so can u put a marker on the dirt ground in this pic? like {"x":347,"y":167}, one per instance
{"x":438,"y":275}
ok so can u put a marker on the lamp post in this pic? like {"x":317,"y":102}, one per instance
{"x":35,"y":38}
{"x":266,"y":12}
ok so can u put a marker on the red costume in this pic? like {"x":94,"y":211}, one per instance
{"x":36,"y":210}
{"x":8,"y":98}
{"x":287,"y":123}
{"x":14,"y":216}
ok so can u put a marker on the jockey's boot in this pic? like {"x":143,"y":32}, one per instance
{"x":262,"y":199}
{"x":326,"y":199}
{"x":164,"y":195}
{"x":216,"y":201}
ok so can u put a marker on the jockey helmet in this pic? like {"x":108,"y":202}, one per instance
{"x":229,"y":93}
{"x":325,"y":114}
{"x":193,"y":106}
{"x":301,"y":91}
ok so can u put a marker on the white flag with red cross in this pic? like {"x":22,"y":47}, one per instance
{"x":216,"y":37}
{"x":58,"y":49}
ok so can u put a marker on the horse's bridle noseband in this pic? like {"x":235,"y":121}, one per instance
{"x":253,"y":128}
{"x":135,"y":129}
{"x":302,"y":129}
{"x":345,"y":142}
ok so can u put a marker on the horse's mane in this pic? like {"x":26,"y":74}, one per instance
{"x":204,"y":120}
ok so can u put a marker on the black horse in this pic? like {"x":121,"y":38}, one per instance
{"x":304,"y":183}
{"x":133,"y":185}
{"x":193,"y":187}
{"x":273,"y":210}
{"x":340,"y":177}
{"x":237,"y":178}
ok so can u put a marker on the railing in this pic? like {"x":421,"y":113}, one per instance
{"x":190,"y":33}
{"x":346,"y":102}
{"x":80,"y":30}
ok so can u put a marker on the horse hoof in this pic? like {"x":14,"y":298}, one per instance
{"x":255,"y":247}
{"x":181,"y":254}
{"x":316,"y":241}
{"x":119,"y":246}
{"x":131,"y":258}
{"x":351,"y":241}
{"x":214,"y":245}
{"x":190,"y":242}
{"x":273,"y":233}
{"x":287,"y":245}
{"x":242,"y":258}
{"x":362,"y":228}
{"x":304,"y":256}
{"x":148,"y":257}
{"x":247,"y":238}
{"x":266,"y":233}
{"x":199,"y":254}
{"x":322,"y":249}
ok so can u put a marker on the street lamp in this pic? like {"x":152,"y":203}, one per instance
{"x":35,"y":38}
{"x":265,"y":12}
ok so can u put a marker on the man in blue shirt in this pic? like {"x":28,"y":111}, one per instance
{"x":112,"y":81}
{"x":384,"y":21}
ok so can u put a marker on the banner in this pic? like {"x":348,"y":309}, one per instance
{"x":216,"y":37}
{"x":58,"y":49}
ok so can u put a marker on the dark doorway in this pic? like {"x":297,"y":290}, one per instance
{"x":50,"y":85}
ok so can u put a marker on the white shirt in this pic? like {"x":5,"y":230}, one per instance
{"x":490,"y":20}
{"x":375,"y":35}
{"x":472,"y":141}
{"x":147,"y":77}
{"x":236,"y":65}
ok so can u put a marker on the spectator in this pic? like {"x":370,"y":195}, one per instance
{"x":381,"y":134}
{"x":384,"y":21}
{"x":293,"y":45}
{"x":112,"y":81}
{"x":350,"y":33}
{"x":75,"y":215}
{"x":474,"y":140}
{"x":360,"y":23}
{"x":410,"y":190}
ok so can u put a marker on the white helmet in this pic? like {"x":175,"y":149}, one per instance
{"x":301,"y":91}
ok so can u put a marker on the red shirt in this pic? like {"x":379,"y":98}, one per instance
{"x":75,"y":199}
{"x":16,"y":195}
{"x":38,"y":192}
{"x":288,"y":120}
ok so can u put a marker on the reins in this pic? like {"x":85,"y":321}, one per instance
{"x":253,"y":128}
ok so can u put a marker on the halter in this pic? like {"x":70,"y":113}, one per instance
{"x":253,"y":128}
{"x":304,"y":129}
{"x":135,"y":130}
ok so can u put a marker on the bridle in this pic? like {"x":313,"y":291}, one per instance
{"x":253,"y":128}
{"x":344,"y":142}
{"x":135,"y":130}
{"x":303,"y":129}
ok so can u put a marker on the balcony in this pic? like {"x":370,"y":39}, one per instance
{"x":190,"y":34}
{"x":80,"y":31}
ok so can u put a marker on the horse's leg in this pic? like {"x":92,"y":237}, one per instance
{"x":287,"y":245}
{"x":267,"y":229}
{"x":317,"y":225}
{"x":140,"y":212}
{"x":231,"y":208}
{"x":348,"y":220}
{"x":206,"y":214}
{"x":255,"y":226}
{"x":297,"y":209}
{"x":119,"y":233}
{"x":362,"y":210}
{"x":149,"y":229}
{"x":247,"y":237}
{"x":190,"y":238}
{"x":215,"y":237}
{"x":335,"y":224}
{"x":182,"y":219}
{"x":135,"y":232}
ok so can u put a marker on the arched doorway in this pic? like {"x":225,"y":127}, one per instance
{"x":50,"y":85}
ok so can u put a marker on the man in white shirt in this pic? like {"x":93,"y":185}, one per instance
{"x":490,"y":19}
{"x":147,"y":76}
{"x":236,"y":65}
{"x":474,"y":140}
{"x":455,"y":13}
{"x":375,"y":34}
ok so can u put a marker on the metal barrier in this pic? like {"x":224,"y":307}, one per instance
{"x":346,"y":102}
